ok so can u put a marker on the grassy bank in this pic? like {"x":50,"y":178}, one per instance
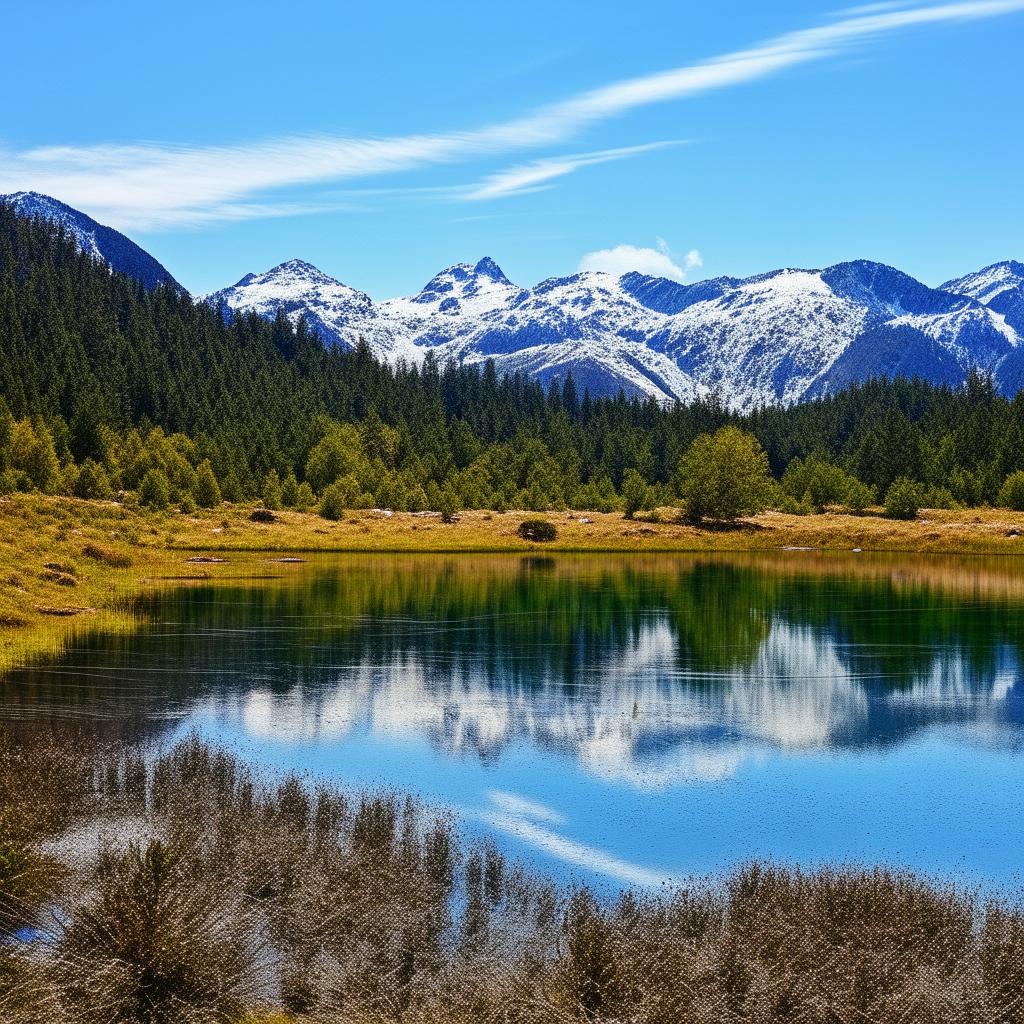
{"x":64,"y":561}
{"x":186,"y":889}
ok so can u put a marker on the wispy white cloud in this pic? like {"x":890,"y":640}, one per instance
{"x":580,"y":854}
{"x":512,"y":803}
{"x":156,"y":185}
{"x":539,"y":174}
{"x":657,"y":262}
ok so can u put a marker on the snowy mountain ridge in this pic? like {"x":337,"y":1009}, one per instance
{"x":778,"y":337}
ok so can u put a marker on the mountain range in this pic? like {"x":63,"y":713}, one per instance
{"x":780,"y":337}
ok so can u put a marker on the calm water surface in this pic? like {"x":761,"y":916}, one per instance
{"x":620,"y":719}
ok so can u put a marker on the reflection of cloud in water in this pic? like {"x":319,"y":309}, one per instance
{"x":636,"y":714}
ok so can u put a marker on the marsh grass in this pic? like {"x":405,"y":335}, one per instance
{"x":265,"y":901}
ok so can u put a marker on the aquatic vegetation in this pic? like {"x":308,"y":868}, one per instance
{"x":207,"y":893}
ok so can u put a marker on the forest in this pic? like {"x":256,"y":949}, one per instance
{"x":108,"y":387}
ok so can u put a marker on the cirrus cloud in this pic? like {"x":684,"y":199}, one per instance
{"x":157,"y":185}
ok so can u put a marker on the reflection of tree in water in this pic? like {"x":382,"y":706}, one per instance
{"x":622,"y":664}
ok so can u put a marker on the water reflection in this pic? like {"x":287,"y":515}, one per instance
{"x":643,"y":672}
{"x":773,"y":694}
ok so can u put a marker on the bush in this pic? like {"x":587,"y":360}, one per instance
{"x":304,"y":497}
{"x":903,"y":499}
{"x":817,"y":482}
{"x":262,"y":515}
{"x":157,"y":944}
{"x":1011,"y":494}
{"x":538,"y":530}
{"x":596,"y":496}
{"x":860,"y":497}
{"x":448,"y":505}
{"x":155,"y":491}
{"x":634,"y":493}
{"x":332,"y":502}
{"x":93,"y":482}
{"x":290,"y":491}
{"x":725,"y":476}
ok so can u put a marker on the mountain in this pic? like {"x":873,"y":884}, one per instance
{"x":783,"y":336}
{"x":999,"y":286}
{"x":338,"y":314}
{"x":780,"y":337}
{"x":119,"y":252}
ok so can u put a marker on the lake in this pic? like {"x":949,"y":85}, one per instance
{"x":621,"y":720}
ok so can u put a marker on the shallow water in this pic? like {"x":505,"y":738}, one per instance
{"x":627,"y":720}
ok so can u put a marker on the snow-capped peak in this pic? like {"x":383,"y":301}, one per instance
{"x":990,"y":282}
{"x":340,"y":315}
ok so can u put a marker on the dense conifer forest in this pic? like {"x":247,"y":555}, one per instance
{"x":106,"y":386}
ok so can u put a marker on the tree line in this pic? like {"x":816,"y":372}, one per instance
{"x":106,"y":387}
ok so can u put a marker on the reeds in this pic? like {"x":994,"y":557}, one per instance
{"x":203,"y":893}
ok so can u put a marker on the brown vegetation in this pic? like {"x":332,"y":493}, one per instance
{"x":182,"y":889}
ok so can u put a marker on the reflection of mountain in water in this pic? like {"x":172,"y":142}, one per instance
{"x":652,"y":675}
{"x":640,"y":716}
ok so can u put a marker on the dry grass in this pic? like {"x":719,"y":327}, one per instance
{"x":270,"y":901}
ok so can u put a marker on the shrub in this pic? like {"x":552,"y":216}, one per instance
{"x":538,"y":530}
{"x":332,"y":502}
{"x":596,"y":496}
{"x":817,"y":482}
{"x":1011,"y":494}
{"x":304,"y":497}
{"x":725,"y":476}
{"x":262,"y":515}
{"x":155,"y":491}
{"x":207,"y":491}
{"x":448,"y":505}
{"x":903,"y":499}
{"x":860,"y":497}
{"x":156,"y":945}
{"x":634,"y":493}
{"x":290,"y":491}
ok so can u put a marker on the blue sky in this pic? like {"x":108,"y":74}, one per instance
{"x":384,"y":142}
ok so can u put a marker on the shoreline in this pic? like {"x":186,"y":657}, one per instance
{"x":66,"y":562}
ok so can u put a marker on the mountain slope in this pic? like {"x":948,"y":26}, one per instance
{"x":118,"y":251}
{"x":999,"y":286}
{"x":779,"y":337}
{"x":338,"y":314}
